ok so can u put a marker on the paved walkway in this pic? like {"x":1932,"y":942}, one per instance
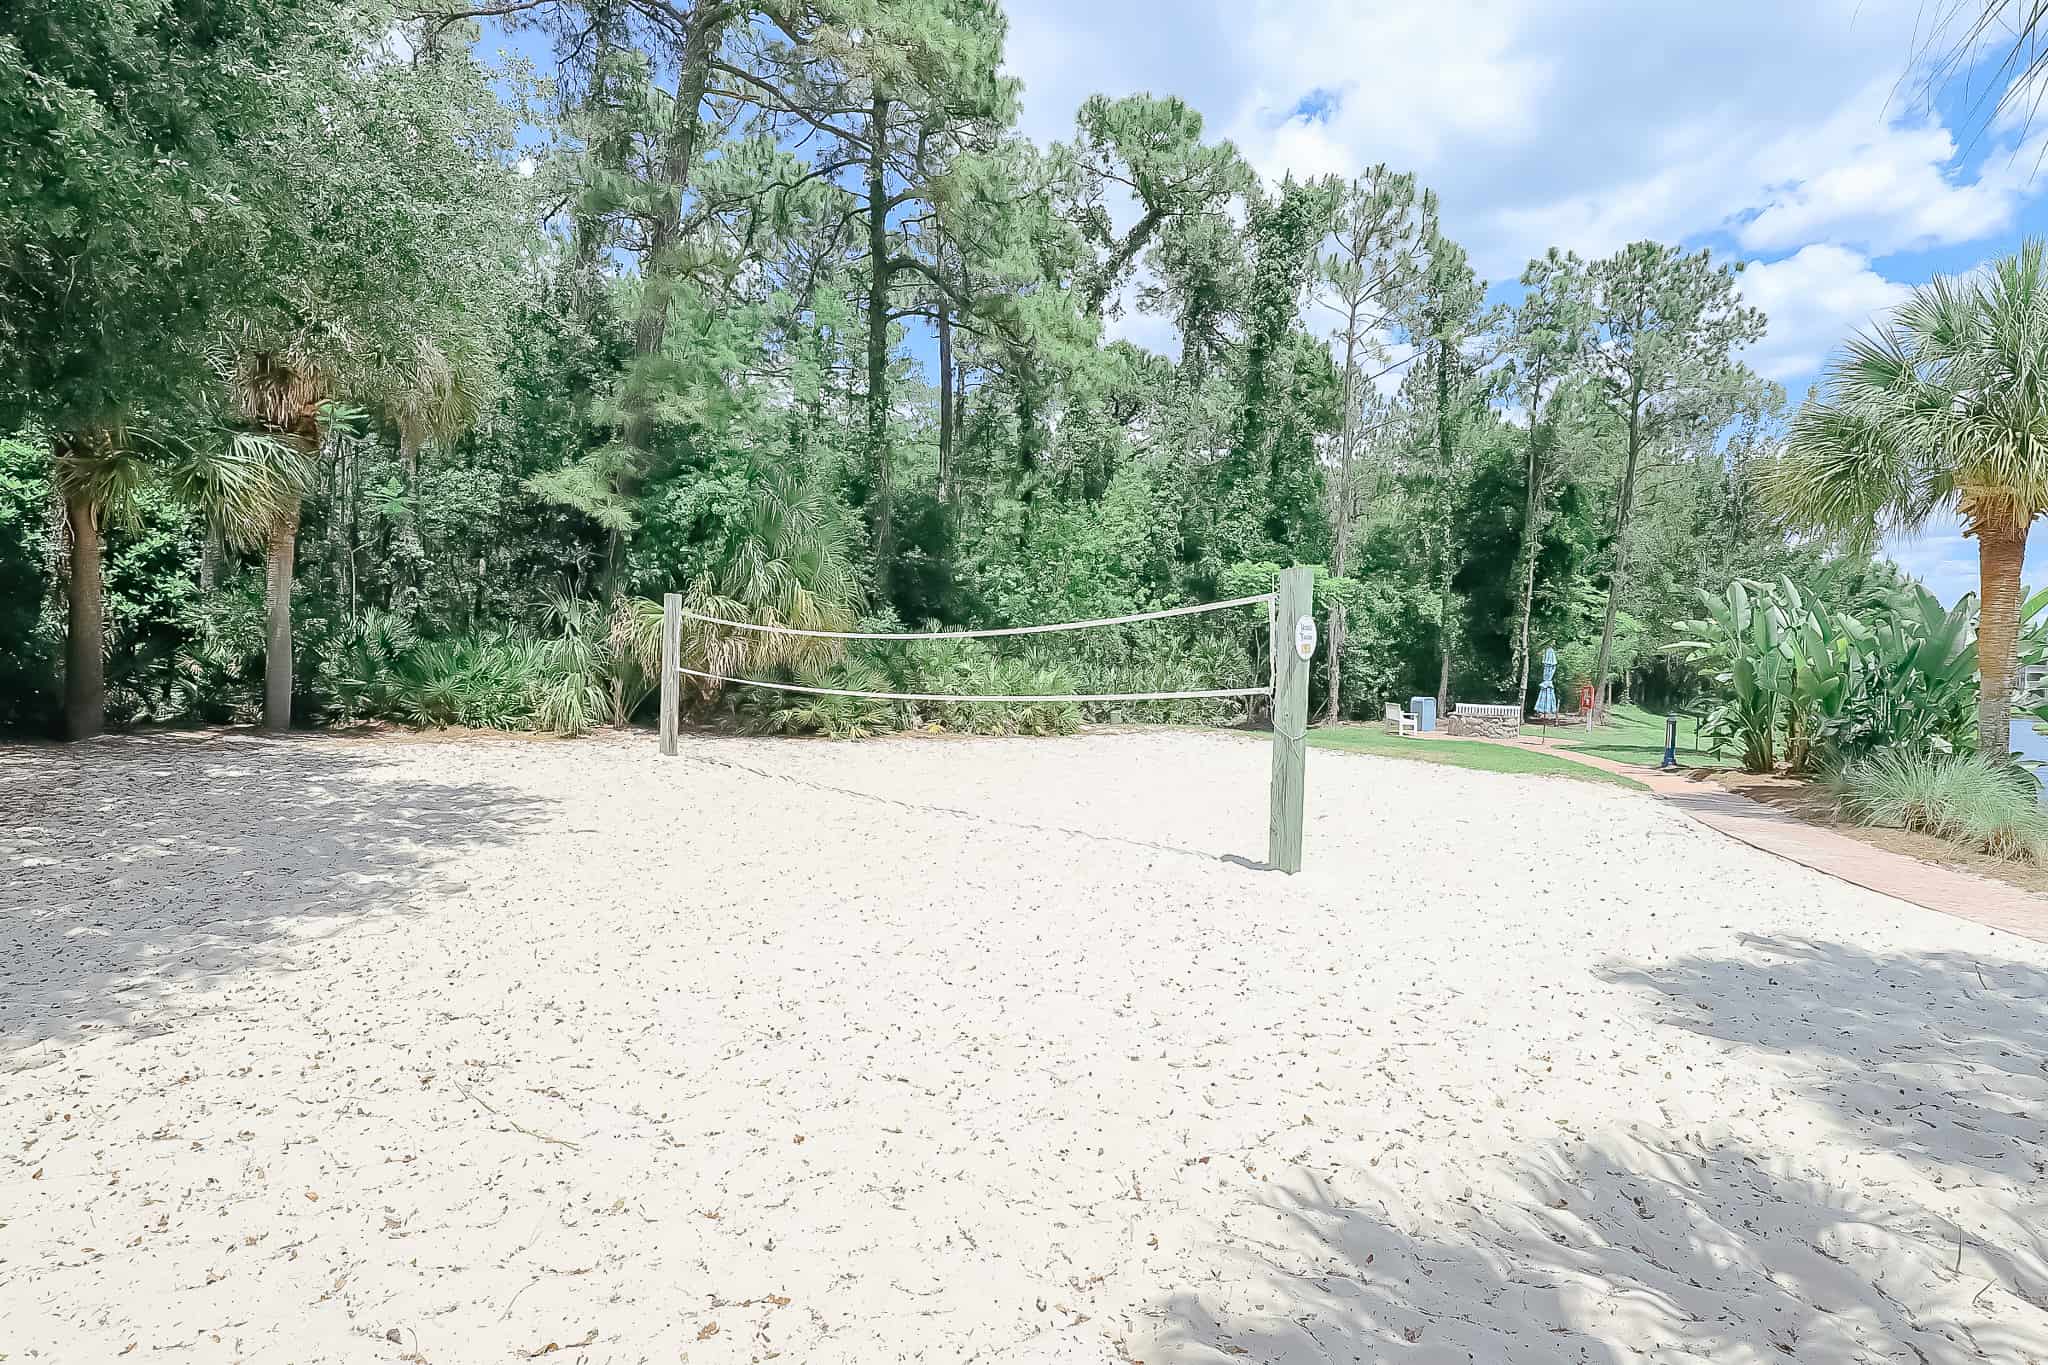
{"x":1962,"y":894}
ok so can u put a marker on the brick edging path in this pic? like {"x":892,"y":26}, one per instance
{"x":1945,"y":889}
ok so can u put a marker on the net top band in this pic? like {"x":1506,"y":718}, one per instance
{"x":978,"y":634}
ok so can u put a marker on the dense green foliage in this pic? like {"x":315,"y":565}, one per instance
{"x":1835,"y":672}
{"x":386,"y":382}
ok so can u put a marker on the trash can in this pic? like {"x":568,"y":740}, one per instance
{"x":1424,"y":711}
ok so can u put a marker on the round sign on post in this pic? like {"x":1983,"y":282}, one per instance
{"x":1305,"y":636}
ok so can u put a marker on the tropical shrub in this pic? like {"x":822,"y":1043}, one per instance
{"x":1781,"y":664}
{"x":220,"y":669}
{"x":595,"y":668}
{"x":364,"y":667}
{"x":1972,"y":801}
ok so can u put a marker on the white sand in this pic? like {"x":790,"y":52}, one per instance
{"x":973,"y":1050}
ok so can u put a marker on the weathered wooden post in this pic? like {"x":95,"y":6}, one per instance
{"x":671,"y":661}
{"x":1294,"y":644}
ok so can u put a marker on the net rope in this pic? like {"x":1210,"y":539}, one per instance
{"x":976,"y":634}
{"x":959,"y":697}
{"x":984,"y":696}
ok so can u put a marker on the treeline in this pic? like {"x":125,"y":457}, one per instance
{"x":350,"y":374}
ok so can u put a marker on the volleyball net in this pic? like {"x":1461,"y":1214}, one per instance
{"x":1291,"y":641}
{"x":1265,"y":599}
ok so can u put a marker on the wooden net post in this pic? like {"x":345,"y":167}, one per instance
{"x":671,"y":662}
{"x":1294,"y":644}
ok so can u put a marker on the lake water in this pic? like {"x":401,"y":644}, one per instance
{"x":2028,"y":742}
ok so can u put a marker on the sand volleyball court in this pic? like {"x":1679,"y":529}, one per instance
{"x":956,"y":1050}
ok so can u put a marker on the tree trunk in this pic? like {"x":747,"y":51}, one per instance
{"x":353,"y":532}
{"x":1623,"y":507}
{"x":408,"y":562}
{"x":659,"y":268}
{"x":878,"y":342}
{"x":1522,"y":643}
{"x":1443,"y":677}
{"x":1028,"y":451}
{"x":1531,"y":531}
{"x":946,"y":421}
{"x":1120,"y":259}
{"x":85,"y":683}
{"x":1334,"y":649}
{"x":1340,"y":505}
{"x":277,"y":634}
{"x":211,"y":552}
{"x":2001,"y":548}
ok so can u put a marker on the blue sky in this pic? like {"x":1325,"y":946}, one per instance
{"x":1794,"y":135}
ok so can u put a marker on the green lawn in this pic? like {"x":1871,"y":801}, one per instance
{"x":1491,"y":758}
{"x":1633,"y":735}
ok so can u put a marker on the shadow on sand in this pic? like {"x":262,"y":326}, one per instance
{"x":1917,"y":1238}
{"x":142,"y":867}
{"x":1940,"y":1058}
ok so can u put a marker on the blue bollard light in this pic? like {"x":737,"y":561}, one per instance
{"x":1670,"y":740}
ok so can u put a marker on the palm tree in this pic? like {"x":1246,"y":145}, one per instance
{"x":1943,"y":407}
{"x":433,"y":391}
{"x":280,"y":392}
{"x":236,"y":483}
{"x":286,"y":392}
{"x":97,"y":471}
{"x":783,"y":564}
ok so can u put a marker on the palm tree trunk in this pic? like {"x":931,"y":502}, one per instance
{"x":408,"y":577}
{"x":85,"y":683}
{"x":277,"y":636}
{"x":211,"y":552}
{"x":2001,"y":550}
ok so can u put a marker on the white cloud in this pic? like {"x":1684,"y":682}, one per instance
{"x":1941,"y":559}
{"x":1890,"y":192}
{"x":1813,"y":300}
{"x":1584,"y":125}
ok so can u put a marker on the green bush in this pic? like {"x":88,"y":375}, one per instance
{"x":590,"y":671}
{"x":1967,"y":800}
{"x":764,"y":711}
{"x":31,"y":633}
{"x":1833,"y":686}
{"x":220,"y":668}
